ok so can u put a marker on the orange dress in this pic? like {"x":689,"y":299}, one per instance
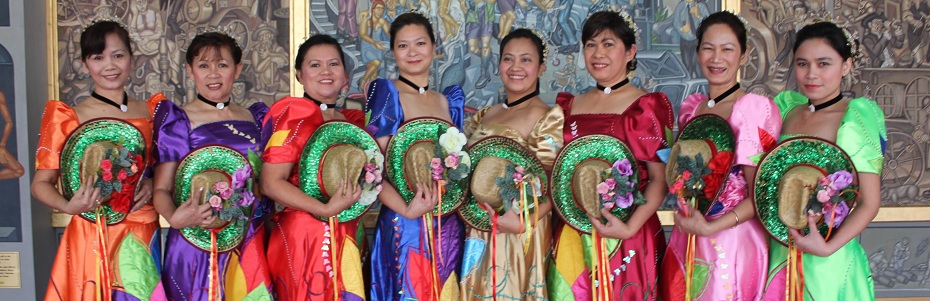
{"x":133,"y":245}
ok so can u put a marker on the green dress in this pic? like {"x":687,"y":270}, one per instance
{"x":845,"y":275}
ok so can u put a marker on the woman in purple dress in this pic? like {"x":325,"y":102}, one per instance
{"x":213,"y":63}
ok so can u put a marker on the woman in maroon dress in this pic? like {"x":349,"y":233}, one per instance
{"x":641,"y":120}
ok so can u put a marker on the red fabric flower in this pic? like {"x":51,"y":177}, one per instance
{"x":107,"y":175}
{"x":121,"y":201}
{"x":122,"y":174}
{"x":106,"y":165}
{"x":718,"y":166}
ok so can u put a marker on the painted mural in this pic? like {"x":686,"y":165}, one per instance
{"x":161,"y":31}
{"x":10,"y":168}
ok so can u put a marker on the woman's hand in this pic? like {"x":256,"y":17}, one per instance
{"x":813,"y":243}
{"x":424,"y":201}
{"x":191,"y":214}
{"x":695,"y":223}
{"x":86,"y":198}
{"x":510,"y":222}
{"x":347,"y":194}
{"x":143,"y":195}
{"x":614,"y":228}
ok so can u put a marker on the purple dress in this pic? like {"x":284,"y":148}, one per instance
{"x":243,"y":270}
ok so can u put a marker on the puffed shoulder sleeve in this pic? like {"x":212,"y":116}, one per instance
{"x":383,"y":110}
{"x":472,"y":124}
{"x":259,"y":110}
{"x":456,"y":98}
{"x":356,"y":117}
{"x":172,"y":132}
{"x":58,"y":121}
{"x":653,"y":127}
{"x":862,"y":135}
{"x":689,"y":108}
{"x":564,"y":100}
{"x":154,"y":101}
{"x":787,"y":100}
{"x":546,"y":139}
{"x":757,"y":124}
{"x":287,"y":127}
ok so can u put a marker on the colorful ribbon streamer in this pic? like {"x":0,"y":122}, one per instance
{"x":334,"y":249}
{"x":103,"y":254}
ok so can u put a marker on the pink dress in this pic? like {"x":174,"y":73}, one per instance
{"x":723,"y":271}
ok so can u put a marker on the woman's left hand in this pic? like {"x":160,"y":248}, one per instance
{"x":813,"y":243}
{"x":693,"y":224}
{"x":614,"y":228}
{"x":143,"y":196}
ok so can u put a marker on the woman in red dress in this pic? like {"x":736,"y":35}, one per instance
{"x":299,"y":259}
{"x":641,"y":120}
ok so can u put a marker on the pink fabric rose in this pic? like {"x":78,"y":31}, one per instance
{"x":686,"y":175}
{"x":435,"y":163}
{"x":370,"y":167}
{"x":452,"y":161}
{"x":603,"y":188}
{"x":226,"y":193}
{"x":369,"y":177}
{"x":216,"y":202}
{"x":611,"y":183}
{"x":823,"y":196}
{"x":220,"y":187}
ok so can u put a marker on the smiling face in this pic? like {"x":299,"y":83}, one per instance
{"x":520,"y":66}
{"x":322,"y":73}
{"x":110,"y":68}
{"x":720,"y":56}
{"x":819,"y":69}
{"x":606,"y":57}
{"x":413,"y":50}
{"x":213,"y":72}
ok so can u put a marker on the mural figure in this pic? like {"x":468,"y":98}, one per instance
{"x":479,"y":20}
{"x":10,"y":168}
{"x":373,"y":29}
{"x":688,"y":15}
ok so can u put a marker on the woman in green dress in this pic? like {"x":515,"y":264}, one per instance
{"x":834,"y":269}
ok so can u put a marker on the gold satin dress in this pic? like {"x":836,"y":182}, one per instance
{"x":520,"y":275}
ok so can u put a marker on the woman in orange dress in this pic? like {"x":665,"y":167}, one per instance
{"x":132,"y":245}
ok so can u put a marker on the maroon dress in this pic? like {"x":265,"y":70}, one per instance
{"x":644,"y":127}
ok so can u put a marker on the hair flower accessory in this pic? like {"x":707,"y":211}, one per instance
{"x":629,"y":21}
{"x":618,"y":188}
{"x":829,"y":197}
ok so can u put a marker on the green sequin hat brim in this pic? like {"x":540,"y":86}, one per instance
{"x":328,"y":135}
{"x":409,"y":133}
{"x":502,"y":147}
{"x":217,"y":158}
{"x":792,"y":152}
{"x":601,"y":147}
{"x":96,"y":130}
{"x":719,"y":132}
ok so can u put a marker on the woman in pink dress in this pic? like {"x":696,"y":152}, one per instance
{"x":641,"y":120}
{"x":723,"y":271}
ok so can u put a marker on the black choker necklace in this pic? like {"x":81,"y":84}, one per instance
{"x":607,"y":90}
{"x":322,"y":105}
{"x":422,"y":89}
{"x":523,"y":99}
{"x":122,"y":107}
{"x":218,"y":105}
{"x":721,"y":97}
{"x":815,"y":108}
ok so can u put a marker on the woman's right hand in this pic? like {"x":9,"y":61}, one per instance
{"x":191,"y":214}
{"x":424,"y":200}
{"x":347,"y":194}
{"x":86,"y":198}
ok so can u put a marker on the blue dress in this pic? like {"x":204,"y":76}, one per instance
{"x":398,"y":252}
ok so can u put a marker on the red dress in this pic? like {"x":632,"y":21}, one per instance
{"x":299,"y":254}
{"x":644,"y":127}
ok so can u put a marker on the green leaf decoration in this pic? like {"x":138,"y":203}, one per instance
{"x":256,"y":161}
{"x":260,"y":293}
{"x":136,"y":268}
